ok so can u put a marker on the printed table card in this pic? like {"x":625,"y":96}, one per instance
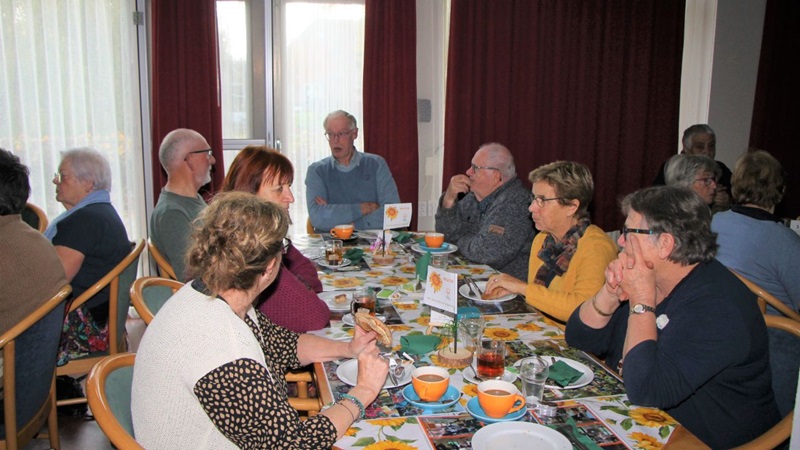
{"x":396,"y":215}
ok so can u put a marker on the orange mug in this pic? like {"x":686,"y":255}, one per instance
{"x":342,"y":231}
{"x":430,"y":383}
{"x":434,"y":240}
{"x":499,"y":398}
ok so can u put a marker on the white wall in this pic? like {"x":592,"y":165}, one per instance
{"x":737,"y":47}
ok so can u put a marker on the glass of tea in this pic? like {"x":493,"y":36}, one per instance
{"x":363,"y":298}
{"x":333,"y":252}
{"x":491,"y":359}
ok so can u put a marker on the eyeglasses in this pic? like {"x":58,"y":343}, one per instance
{"x":706,"y":180}
{"x":206,"y":151}
{"x":477,"y":168}
{"x":286,"y":243}
{"x":626,"y":230}
{"x":540,"y":199}
{"x":59,"y":177}
{"x":337,"y":136}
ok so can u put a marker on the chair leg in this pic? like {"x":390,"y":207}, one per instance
{"x":52,"y":419}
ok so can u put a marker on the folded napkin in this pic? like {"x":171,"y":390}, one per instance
{"x":355,"y":255}
{"x":575,"y":435}
{"x":403,"y":237}
{"x":422,"y":267}
{"x":563,"y":374}
{"x":419,"y":344}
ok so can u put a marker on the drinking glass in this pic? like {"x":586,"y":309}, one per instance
{"x":333,"y":252}
{"x":491,"y":359}
{"x":363,"y":298}
{"x":440,"y":261}
{"x":533,"y":372}
{"x":473,"y":325}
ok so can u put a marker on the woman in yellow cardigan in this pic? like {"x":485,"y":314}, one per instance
{"x":569,"y":255}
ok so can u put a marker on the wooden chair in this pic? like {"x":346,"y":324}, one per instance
{"x":108,"y":389}
{"x":765,"y":298}
{"x":309,"y":227}
{"x":164,"y":267}
{"x":119,"y":279}
{"x":148,"y":295}
{"x":30,"y":351}
{"x":782,"y":431}
{"x":35,"y":217}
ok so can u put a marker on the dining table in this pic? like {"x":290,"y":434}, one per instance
{"x":593,"y":414}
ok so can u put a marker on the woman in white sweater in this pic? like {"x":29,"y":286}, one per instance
{"x":210,"y":368}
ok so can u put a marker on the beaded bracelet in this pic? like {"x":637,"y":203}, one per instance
{"x":356,"y":402}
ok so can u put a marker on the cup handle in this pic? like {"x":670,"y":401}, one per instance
{"x":333,"y":233}
{"x":519,"y":403}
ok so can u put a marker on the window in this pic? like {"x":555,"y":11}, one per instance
{"x":69,"y":78}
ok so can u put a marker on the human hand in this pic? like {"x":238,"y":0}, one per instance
{"x":613,"y":278}
{"x":361,"y":341}
{"x":503,"y":284}
{"x":638,"y":278}
{"x":458,"y":184}
{"x":372,"y":370}
{"x":320,"y":201}
{"x":722,"y":199}
{"x":368,"y":207}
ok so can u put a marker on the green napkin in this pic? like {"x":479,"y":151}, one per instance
{"x":403,"y":237}
{"x":422,"y":267}
{"x":563,"y":374}
{"x":355,"y":255}
{"x":575,"y":435}
{"x":419,"y":344}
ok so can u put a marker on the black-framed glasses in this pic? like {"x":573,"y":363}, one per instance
{"x":541,"y":199}
{"x":706,"y":181}
{"x":336,"y":136}
{"x":626,"y":230}
{"x":286,"y":243}
{"x":206,"y":151}
{"x":477,"y":168}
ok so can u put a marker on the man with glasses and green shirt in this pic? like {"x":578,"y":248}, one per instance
{"x":187,"y":159}
{"x":349,"y":186}
{"x":485,"y":212}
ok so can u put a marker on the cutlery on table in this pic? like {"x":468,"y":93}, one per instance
{"x":475,"y":372}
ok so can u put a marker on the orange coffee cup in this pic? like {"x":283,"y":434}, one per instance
{"x":430,"y":382}
{"x":434,"y":240}
{"x":342,"y":231}
{"x":499,"y":398}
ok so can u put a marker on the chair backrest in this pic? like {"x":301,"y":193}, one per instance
{"x":30,"y":351}
{"x":108,"y":390}
{"x":119,"y":279}
{"x":765,"y":298}
{"x":784,"y":359}
{"x":164,"y":267}
{"x":309,"y":226}
{"x":149,"y":294}
{"x":35,"y":217}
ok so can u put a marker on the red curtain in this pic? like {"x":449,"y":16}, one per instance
{"x":776,"y":111}
{"x":185,"y":78}
{"x":590,"y":81}
{"x":390,"y":91}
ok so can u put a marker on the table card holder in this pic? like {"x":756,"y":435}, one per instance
{"x":441,"y":294}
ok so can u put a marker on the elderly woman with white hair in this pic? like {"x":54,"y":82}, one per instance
{"x":697,"y":172}
{"x":90,"y":240}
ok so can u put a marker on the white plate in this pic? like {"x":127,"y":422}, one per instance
{"x":469,"y":375}
{"x":451,"y":248}
{"x":328,"y":298}
{"x":348,"y":373}
{"x":374,"y":234}
{"x":519,"y":435}
{"x":466,"y":292}
{"x":348,"y":319}
{"x":345,"y":263}
{"x":585,"y":379}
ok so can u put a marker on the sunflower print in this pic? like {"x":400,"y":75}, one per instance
{"x":424,"y":321}
{"x":650,"y":417}
{"x":390,"y":445}
{"x":405,"y":306}
{"x":503,"y":334}
{"x":408,"y":269}
{"x":374,"y":273}
{"x":391,"y":212}
{"x":645,"y":441}
{"x":530,"y":326}
{"x":346,"y":282}
{"x":458,"y":267}
{"x":470,"y":389}
{"x":436,"y":282}
{"x":392,"y":281}
{"x":393,"y":422}
{"x":352,"y":431}
{"x":477,"y":270}
{"x":399,"y":327}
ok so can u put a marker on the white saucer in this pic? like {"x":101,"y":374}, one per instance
{"x":348,"y":373}
{"x":375,"y":234}
{"x":466,"y":292}
{"x":469,"y":375}
{"x":519,"y":435}
{"x":345,"y":263}
{"x":585,"y":379}
{"x":329,"y":296}
{"x":348,"y":319}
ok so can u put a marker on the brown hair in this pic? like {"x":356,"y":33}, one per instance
{"x":234,"y":241}
{"x":570,"y":180}
{"x":253,"y":166}
{"x":758,"y":178}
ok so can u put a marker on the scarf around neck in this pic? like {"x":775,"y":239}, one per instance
{"x":98,"y":196}
{"x":556,"y":255}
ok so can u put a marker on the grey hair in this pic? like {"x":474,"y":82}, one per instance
{"x":89,"y":165}
{"x":682,"y":169}
{"x":680,"y":212}
{"x":340,"y":113}
{"x":172,"y":144}
{"x":689,"y":133}
{"x":499,"y":156}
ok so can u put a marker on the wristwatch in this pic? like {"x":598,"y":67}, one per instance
{"x":640,"y":308}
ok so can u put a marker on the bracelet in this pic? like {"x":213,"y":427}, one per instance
{"x":352,"y":417}
{"x":604,"y":314}
{"x":356,"y":402}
